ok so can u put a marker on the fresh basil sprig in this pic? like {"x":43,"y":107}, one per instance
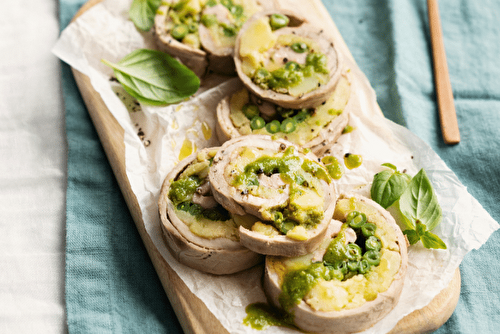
{"x":388,"y":185}
{"x":154,"y":77}
{"x":142,"y":13}
{"x":417,"y":203}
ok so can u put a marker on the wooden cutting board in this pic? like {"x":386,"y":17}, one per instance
{"x":192,"y":313}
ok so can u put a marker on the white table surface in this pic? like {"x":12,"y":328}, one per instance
{"x":33,"y":155}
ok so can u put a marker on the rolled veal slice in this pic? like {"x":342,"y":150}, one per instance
{"x":199,"y":232}
{"x":345,"y":286}
{"x":289,"y":192}
{"x":202,"y":33}
{"x":286,"y":61}
{"x":242,"y":113}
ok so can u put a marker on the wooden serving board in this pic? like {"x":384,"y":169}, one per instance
{"x":193,"y":314}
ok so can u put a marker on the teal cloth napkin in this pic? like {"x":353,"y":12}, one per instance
{"x":111,"y":285}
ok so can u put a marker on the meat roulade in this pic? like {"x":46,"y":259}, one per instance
{"x":243,"y":113}
{"x":199,"y":232}
{"x":202,"y":33}
{"x":285,"y":60}
{"x":289,"y":191}
{"x":345,"y":286}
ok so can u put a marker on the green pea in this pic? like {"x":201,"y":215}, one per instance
{"x":228,"y":30}
{"x":278,"y":217}
{"x":353,"y":265}
{"x":184,"y":206}
{"x":277,"y":21}
{"x":353,"y":252}
{"x":292,"y":66}
{"x":236,"y":10}
{"x":208,"y":20}
{"x":261,"y":78}
{"x":372,"y":243}
{"x":299,"y":47}
{"x":286,"y":226}
{"x":273,"y":126}
{"x":372,"y":257}
{"x":363,"y":267}
{"x":341,"y":266}
{"x":301,"y":116}
{"x":179,"y":31}
{"x":250,"y":110}
{"x":288,"y":125}
{"x":368,"y":229}
{"x":227,"y":3}
{"x":257,"y":123}
{"x":356,"y":219}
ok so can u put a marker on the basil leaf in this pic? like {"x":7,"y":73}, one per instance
{"x":142,"y":13}
{"x":154,"y":77}
{"x":388,"y":185}
{"x":419,"y":203}
{"x":412,"y":236}
{"x":430,"y":240}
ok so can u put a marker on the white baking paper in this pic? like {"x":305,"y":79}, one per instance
{"x":154,"y":137}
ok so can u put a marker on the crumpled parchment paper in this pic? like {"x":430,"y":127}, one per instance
{"x":156,"y":137}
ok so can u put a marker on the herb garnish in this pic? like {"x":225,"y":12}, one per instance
{"x":154,"y":77}
{"x":416,"y":201}
{"x":388,"y":185}
{"x":142,"y":13}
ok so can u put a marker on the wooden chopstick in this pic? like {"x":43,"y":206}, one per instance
{"x":446,"y":106}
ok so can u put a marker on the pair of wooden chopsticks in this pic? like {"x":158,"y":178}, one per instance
{"x":447,"y":113}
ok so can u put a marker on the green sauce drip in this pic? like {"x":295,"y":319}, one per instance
{"x":348,"y":129}
{"x":333,"y":167}
{"x":352,"y":161}
{"x":261,"y":316}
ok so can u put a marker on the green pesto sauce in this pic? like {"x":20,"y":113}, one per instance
{"x":298,"y":283}
{"x":261,"y":316}
{"x":348,"y":129}
{"x":181,"y":193}
{"x":340,"y":262}
{"x":335,"y":252}
{"x":352,"y":161}
{"x":182,"y":190}
{"x":290,"y":167}
{"x":291,"y":74}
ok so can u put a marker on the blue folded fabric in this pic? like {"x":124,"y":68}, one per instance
{"x":111,"y":285}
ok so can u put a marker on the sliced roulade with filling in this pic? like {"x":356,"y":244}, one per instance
{"x":284,"y":60}
{"x":199,"y":232}
{"x":202,"y":33}
{"x":288,"y":190}
{"x":243,"y":113}
{"x":352,"y":280}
